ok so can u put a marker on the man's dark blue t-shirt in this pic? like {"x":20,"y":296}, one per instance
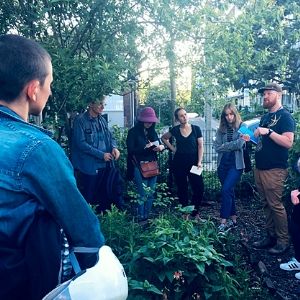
{"x":268,"y":154}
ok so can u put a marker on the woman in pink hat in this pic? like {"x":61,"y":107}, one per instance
{"x":142,"y":145}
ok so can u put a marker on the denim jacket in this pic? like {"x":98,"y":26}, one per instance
{"x":35,"y":176}
{"x":237,"y":144}
{"x":91,"y":139}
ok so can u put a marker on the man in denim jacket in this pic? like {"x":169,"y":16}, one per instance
{"x":38,"y":193}
{"x":94,"y":152}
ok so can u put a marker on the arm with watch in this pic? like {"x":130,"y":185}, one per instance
{"x":284,"y":139}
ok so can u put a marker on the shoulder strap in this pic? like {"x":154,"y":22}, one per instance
{"x":194,"y":130}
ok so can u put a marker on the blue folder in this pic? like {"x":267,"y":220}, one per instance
{"x":246,"y":130}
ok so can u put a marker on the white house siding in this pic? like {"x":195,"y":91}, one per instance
{"x":115,"y":110}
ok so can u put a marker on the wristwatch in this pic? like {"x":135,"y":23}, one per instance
{"x":270,"y":131}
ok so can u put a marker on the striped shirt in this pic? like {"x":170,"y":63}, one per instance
{"x":229,"y":134}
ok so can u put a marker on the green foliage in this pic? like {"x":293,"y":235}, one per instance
{"x":173,"y":257}
{"x":164,"y":198}
{"x":120,"y":135}
{"x":178,"y":259}
{"x":212,"y":185}
{"x":247,"y":46}
{"x":158,"y":97}
{"x":92,"y":44}
{"x":294,"y":155}
{"x":121,"y":233}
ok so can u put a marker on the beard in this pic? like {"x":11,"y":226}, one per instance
{"x":269,"y":104}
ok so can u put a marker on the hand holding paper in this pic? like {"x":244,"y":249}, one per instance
{"x":196,"y":170}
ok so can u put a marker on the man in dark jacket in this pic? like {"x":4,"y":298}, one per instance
{"x":94,"y":152}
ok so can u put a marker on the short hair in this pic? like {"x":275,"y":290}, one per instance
{"x":21,"y":60}
{"x":223,"y":121}
{"x":92,"y":98}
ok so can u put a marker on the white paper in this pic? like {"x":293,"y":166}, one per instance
{"x":196,"y":170}
{"x":156,"y":143}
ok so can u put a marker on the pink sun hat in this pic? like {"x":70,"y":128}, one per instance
{"x":147,"y":115}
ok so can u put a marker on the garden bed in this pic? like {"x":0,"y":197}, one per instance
{"x":154,"y":252}
{"x":267,"y":279}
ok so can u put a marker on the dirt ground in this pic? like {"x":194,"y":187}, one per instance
{"x":265,"y":272}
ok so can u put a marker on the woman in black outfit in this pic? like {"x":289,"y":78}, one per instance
{"x":187,"y":153}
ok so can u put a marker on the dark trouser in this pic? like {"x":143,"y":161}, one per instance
{"x":101,"y":189}
{"x":295,"y":230}
{"x":229,"y":176}
{"x":87,"y":185}
{"x":181,"y":167}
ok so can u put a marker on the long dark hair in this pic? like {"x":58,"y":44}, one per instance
{"x":223,"y":122}
{"x":151,"y":133}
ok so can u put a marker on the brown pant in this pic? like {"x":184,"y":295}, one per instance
{"x":270,"y":185}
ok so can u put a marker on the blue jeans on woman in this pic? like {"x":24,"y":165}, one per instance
{"x":229,"y":176}
{"x":145,"y":197}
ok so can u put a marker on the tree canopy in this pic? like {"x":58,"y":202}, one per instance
{"x":259,"y":43}
{"x":92,"y":43}
{"x":98,"y":46}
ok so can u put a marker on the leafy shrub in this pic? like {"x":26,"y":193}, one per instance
{"x":212,"y":185}
{"x":178,"y":260}
{"x":172,"y":258}
{"x":121,"y":233}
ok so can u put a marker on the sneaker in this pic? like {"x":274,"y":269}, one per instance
{"x":230,"y":223}
{"x":297,"y":275}
{"x":292,"y":265}
{"x":265,"y":243}
{"x":279,"y":249}
{"x":224,"y":227}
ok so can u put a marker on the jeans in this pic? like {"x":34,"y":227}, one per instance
{"x":270,"y":185}
{"x":229,"y":176}
{"x":145,"y":197}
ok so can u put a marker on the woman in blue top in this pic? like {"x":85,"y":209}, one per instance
{"x":187,"y":153}
{"x":229,"y":144}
